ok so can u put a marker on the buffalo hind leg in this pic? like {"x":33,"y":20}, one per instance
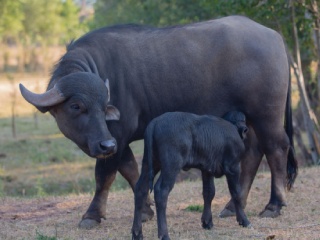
{"x":129,"y":170}
{"x":277,"y":164}
{"x":105,"y":173}
{"x":275,"y":144}
{"x":249,"y":166}
{"x":208,"y":192}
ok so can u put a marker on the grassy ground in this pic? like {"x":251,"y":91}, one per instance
{"x":57,"y":217}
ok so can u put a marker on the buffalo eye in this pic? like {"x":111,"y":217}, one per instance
{"x":75,"y":106}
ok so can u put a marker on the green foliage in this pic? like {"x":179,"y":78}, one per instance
{"x":195,"y":208}
{"x":40,"y":22}
{"x":11,"y":18}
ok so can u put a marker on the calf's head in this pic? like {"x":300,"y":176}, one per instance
{"x":80,"y":104}
{"x":239,"y":120}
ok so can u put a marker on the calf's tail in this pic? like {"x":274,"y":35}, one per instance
{"x":148,"y":153}
{"x":292,"y":164}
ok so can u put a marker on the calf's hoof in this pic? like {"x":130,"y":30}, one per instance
{"x":245,"y":223}
{"x":207,"y":226}
{"x":138,"y":236}
{"x":166,"y":237}
{"x":227,"y":213}
{"x":88,"y":223}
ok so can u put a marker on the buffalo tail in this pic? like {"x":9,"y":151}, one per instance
{"x":148,"y":151}
{"x":292,"y":164}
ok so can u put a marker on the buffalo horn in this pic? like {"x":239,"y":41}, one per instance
{"x":47,"y":99}
{"x":108,"y":87}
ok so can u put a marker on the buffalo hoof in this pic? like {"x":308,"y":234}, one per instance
{"x":267,"y":213}
{"x":88,"y":223}
{"x":227,"y":213}
{"x":147,"y":214}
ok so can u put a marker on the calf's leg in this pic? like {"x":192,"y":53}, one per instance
{"x":140,"y":199}
{"x":162,"y":189}
{"x":249,"y":165}
{"x":208,"y":192}
{"x":235,"y":191}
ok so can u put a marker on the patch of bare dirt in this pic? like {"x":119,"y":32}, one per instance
{"x":59,"y":216}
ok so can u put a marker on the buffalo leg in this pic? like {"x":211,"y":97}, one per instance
{"x":235,"y":192}
{"x":129,"y":170}
{"x":140,"y":200}
{"x":105,"y":173}
{"x":249,"y":167}
{"x":275,"y":144}
{"x":278,"y":182}
{"x":208,"y":192}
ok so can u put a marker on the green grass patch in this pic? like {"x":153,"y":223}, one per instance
{"x":40,"y":236}
{"x":194,"y":208}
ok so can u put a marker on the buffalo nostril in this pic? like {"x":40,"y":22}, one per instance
{"x":108,"y":145}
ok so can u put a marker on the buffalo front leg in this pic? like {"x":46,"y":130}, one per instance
{"x":105,"y":173}
{"x":129,"y":170}
{"x":249,"y":165}
{"x":208,"y":192}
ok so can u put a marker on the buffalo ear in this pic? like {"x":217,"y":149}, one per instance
{"x":43,"y":109}
{"x":112,"y":113}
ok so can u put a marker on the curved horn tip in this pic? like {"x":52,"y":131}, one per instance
{"x":21,"y":87}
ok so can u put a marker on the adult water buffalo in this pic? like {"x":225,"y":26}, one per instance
{"x":209,"y":67}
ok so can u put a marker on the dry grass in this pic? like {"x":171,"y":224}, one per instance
{"x":58,"y":216}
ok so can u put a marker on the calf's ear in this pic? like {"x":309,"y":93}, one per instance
{"x":243,"y":131}
{"x":112,"y":113}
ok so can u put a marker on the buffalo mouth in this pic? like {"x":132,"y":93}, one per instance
{"x":103,"y":149}
{"x":104,"y":156}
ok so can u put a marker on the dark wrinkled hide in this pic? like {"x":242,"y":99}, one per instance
{"x":178,"y":140}
{"x":211,"y":68}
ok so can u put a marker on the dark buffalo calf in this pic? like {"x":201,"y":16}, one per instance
{"x":176,"y":141}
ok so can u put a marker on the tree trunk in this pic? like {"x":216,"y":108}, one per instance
{"x":13,"y":105}
{"x":310,"y":120}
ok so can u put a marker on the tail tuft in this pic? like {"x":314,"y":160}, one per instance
{"x":292,"y":168}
